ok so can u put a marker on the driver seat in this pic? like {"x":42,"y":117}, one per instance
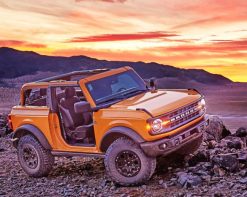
{"x":76,"y":123}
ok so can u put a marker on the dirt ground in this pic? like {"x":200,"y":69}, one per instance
{"x":86,"y":177}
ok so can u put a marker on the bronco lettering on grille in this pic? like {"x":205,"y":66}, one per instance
{"x":180,"y":116}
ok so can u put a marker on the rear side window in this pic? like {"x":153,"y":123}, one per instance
{"x":36,"y":97}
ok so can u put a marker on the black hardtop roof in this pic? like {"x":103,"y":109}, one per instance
{"x":68,"y":76}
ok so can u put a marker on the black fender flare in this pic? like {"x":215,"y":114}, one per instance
{"x":116,"y":132}
{"x":30,"y":129}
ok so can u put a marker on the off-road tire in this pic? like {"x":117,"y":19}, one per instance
{"x":147,"y":164}
{"x":45,"y":160}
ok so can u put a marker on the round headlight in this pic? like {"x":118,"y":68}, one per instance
{"x":203,"y":103}
{"x":157,"y":125}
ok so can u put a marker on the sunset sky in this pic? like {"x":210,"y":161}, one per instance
{"x":203,"y":34}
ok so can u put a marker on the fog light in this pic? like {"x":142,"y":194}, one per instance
{"x":176,"y":142}
{"x":163,"y":146}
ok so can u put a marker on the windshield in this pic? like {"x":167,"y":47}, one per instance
{"x":115,"y":87}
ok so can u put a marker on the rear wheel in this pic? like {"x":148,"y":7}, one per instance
{"x":126,"y":163}
{"x":35,"y":160}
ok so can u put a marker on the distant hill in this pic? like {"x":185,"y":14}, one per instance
{"x":14,"y":63}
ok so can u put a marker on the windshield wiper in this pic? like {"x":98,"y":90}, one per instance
{"x":133,"y":91}
{"x":118,"y":95}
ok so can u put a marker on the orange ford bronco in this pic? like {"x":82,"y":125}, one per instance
{"x":105,"y":113}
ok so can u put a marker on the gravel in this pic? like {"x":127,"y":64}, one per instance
{"x":216,"y":169}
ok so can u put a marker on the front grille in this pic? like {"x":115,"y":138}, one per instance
{"x":183,"y":115}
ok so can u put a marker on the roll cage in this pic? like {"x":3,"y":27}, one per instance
{"x":69,"y":76}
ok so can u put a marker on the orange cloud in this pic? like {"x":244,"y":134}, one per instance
{"x":211,"y":21}
{"x":19,"y":43}
{"x":214,"y":46}
{"x":121,"y":37}
{"x":211,"y":13}
{"x":109,"y":1}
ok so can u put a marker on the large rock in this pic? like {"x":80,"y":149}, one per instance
{"x":188,"y":180}
{"x":233,"y":142}
{"x":216,"y":129}
{"x":241,"y":132}
{"x":200,"y":156}
{"x":228,"y":162}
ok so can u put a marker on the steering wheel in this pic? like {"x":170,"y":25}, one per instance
{"x":121,"y":89}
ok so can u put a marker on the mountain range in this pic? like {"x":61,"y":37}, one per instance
{"x":15,"y":63}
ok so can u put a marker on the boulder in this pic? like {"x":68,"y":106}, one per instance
{"x":233,"y":142}
{"x":228,"y":162}
{"x":188,"y":180}
{"x":216,"y":130}
{"x":200,"y":156}
{"x":241,"y":132}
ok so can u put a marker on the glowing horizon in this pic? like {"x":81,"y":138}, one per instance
{"x":208,"y":34}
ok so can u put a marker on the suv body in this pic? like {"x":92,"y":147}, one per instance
{"x":105,"y":113}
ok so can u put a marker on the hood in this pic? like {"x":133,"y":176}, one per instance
{"x":160,"y":102}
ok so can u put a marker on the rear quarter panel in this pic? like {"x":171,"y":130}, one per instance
{"x":36,"y":116}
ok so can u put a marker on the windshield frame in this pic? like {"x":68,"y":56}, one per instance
{"x":86,"y":81}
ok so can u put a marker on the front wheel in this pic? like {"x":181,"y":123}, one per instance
{"x":34,"y":159}
{"x":126,"y":163}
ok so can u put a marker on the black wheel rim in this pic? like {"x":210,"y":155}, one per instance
{"x":30,"y":156}
{"x":128,"y":163}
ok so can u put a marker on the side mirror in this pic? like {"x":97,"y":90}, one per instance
{"x":153,"y":85}
{"x":82,"y":107}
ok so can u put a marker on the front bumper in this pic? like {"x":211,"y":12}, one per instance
{"x":185,"y":142}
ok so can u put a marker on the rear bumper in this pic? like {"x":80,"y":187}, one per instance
{"x":184,"y":143}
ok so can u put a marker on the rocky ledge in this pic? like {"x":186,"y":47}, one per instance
{"x":217,"y":169}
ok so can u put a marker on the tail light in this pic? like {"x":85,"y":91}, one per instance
{"x":10,"y":122}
